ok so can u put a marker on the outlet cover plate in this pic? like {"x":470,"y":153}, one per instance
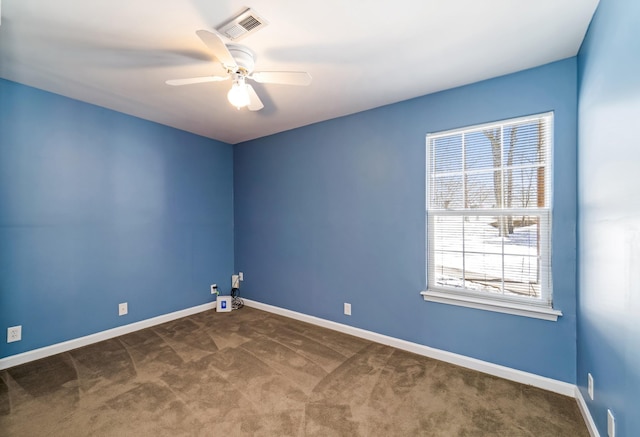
{"x":14,"y":333}
{"x":347,"y":309}
{"x":590,"y":385}
{"x":123,"y":309}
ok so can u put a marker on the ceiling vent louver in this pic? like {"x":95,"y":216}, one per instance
{"x":243,"y":25}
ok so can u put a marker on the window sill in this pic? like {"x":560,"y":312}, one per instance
{"x":513,"y":308}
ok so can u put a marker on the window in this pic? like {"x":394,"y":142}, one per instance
{"x":489,"y":216}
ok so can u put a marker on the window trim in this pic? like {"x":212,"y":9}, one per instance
{"x":507,"y":307}
{"x":541,"y":309}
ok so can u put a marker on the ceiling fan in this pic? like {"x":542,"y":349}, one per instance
{"x":239,"y":61}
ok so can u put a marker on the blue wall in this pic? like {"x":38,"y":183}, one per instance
{"x":98,"y":208}
{"x":609,"y":215}
{"x":334,"y":212}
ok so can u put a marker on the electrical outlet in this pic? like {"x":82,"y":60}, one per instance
{"x":123,"y":309}
{"x":214,"y":288}
{"x":611,"y":424}
{"x":241,"y":276}
{"x":590,"y":385}
{"x":235,"y":281}
{"x":347,"y":309}
{"x":14,"y":333}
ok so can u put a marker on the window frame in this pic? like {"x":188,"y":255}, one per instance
{"x":541,"y":307}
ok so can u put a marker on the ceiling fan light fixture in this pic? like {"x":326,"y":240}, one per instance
{"x":238,"y":95}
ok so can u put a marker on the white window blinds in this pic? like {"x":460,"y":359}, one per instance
{"x":488,"y":210}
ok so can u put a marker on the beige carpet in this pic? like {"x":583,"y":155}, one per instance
{"x":252,"y":373}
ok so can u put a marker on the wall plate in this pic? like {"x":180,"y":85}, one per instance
{"x":14,"y":333}
{"x":123,"y":309}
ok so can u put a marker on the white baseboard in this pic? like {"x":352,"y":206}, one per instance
{"x":563,"y":388}
{"x":65,"y":346}
{"x":586,"y":414}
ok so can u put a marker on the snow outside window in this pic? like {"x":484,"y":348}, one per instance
{"x":488,"y":213}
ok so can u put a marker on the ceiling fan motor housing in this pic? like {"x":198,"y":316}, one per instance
{"x":243,"y":56}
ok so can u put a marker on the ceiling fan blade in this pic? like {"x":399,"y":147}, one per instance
{"x":301,"y":78}
{"x":192,"y":80}
{"x":219,"y":49}
{"x":255,"y":104}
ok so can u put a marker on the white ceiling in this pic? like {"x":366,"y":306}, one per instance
{"x":361,"y":54}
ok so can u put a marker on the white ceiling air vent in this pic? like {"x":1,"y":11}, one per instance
{"x":244,"y":24}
